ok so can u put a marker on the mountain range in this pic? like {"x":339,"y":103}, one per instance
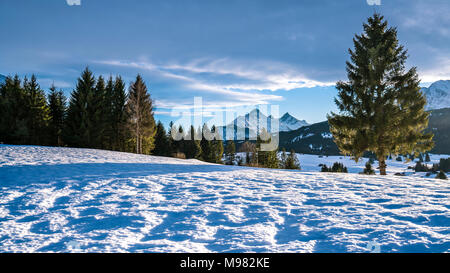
{"x":257,"y":119}
{"x":438,"y":95}
{"x":317,"y":139}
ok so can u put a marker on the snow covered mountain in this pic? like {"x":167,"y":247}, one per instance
{"x":289,"y":123}
{"x":438,"y":95}
{"x":256,"y":120}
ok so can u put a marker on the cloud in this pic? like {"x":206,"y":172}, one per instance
{"x":440,"y":72}
{"x":73,"y":2}
{"x":374,"y":2}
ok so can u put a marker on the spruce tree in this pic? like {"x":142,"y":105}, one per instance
{"x":57,"y":105}
{"x":78,"y":128}
{"x":98,"y":114}
{"x":119,"y":115}
{"x":140,"y":116}
{"x":292,"y":162}
{"x":216,"y":148}
{"x":230,"y":152}
{"x":13,"y":112}
{"x":283,"y":158}
{"x":161,"y":141}
{"x":381,"y":107}
{"x":192,"y":147}
{"x":38,"y":112}
{"x":206,"y":147}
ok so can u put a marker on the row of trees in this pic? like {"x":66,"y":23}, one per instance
{"x":102,"y":114}
{"x":99,"y":114}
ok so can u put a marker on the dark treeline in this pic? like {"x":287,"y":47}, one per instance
{"x":101,"y":114}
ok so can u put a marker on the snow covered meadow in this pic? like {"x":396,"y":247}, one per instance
{"x":65,"y":199}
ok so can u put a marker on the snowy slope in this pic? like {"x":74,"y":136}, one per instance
{"x":63,"y":199}
{"x":438,"y":95}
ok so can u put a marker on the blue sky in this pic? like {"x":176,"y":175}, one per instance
{"x":230,"y":53}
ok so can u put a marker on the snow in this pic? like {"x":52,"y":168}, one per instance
{"x":66,"y":199}
{"x":438,"y":95}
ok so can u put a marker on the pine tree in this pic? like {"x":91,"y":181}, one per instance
{"x":98,"y":114}
{"x":441,"y":175}
{"x":38,"y":112}
{"x":13,"y":112}
{"x":427,"y":157}
{"x":283,"y":159}
{"x":57,"y":105}
{"x":230,"y":152}
{"x":78,"y":128}
{"x":119,"y":115}
{"x":381,"y":106}
{"x":206,"y":147}
{"x":267,"y":159}
{"x":108,"y":140}
{"x":368,"y":169}
{"x":192,"y":147}
{"x":216,"y":148}
{"x":161,"y":141}
{"x":292,"y":162}
{"x":140,"y":112}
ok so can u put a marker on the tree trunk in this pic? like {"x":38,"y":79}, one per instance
{"x":382,"y":165}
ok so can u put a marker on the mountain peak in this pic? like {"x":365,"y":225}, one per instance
{"x":438,"y":95}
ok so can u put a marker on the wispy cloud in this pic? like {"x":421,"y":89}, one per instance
{"x":240,"y":82}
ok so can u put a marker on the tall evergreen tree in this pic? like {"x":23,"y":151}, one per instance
{"x":216,"y":148}
{"x":292,"y":162}
{"x":192,"y":147}
{"x":161,"y":141}
{"x":98,"y":111}
{"x":381,"y":106}
{"x":230,"y":152}
{"x":78,"y":129}
{"x":140,"y":113}
{"x":206,"y":147}
{"x":57,"y":105}
{"x":38,"y":112}
{"x":267,"y":159}
{"x":119,"y":115}
{"x":13,"y":112}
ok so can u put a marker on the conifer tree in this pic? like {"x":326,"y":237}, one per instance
{"x":230,"y":152}
{"x":267,"y":159}
{"x":216,"y":148}
{"x":98,"y":114}
{"x":192,"y":147}
{"x":13,"y":114}
{"x":57,"y":105}
{"x":78,"y":129}
{"x":119,"y":115}
{"x":38,"y":112}
{"x":283,"y":158}
{"x":381,"y":107}
{"x":206,"y":147}
{"x":292,"y":162}
{"x":161,"y":141}
{"x":140,"y":113}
